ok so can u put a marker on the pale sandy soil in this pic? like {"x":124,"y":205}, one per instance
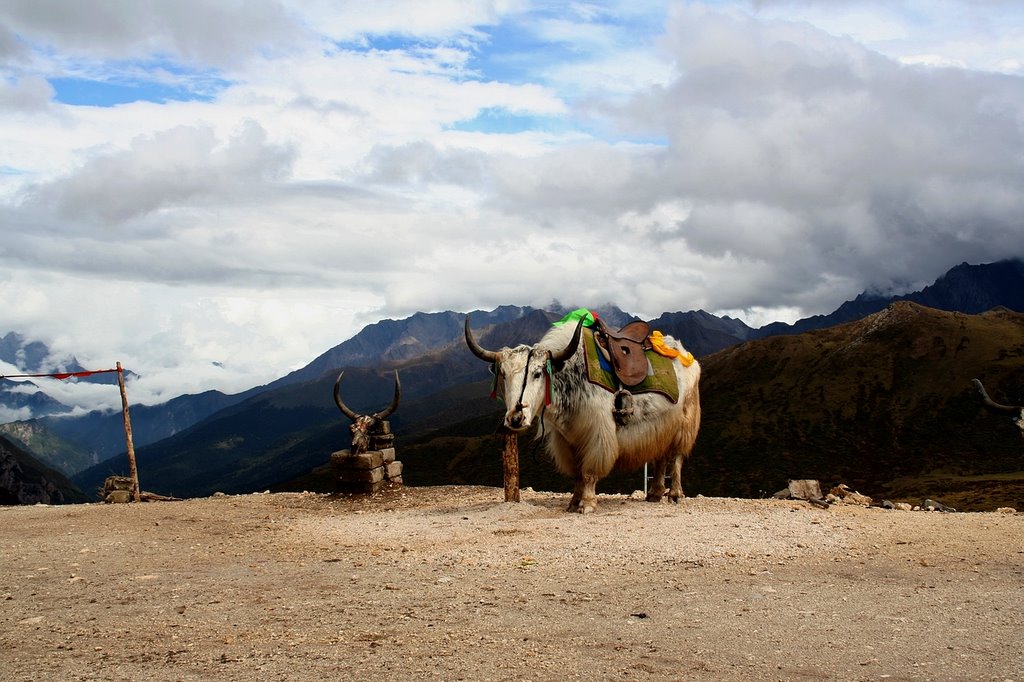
{"x":451,"y":583}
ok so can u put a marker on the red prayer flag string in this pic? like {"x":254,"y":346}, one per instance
{"x":60,"y":375}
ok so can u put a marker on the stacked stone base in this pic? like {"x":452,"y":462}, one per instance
{"x":368,"y":472}
{"x":117,"y":489}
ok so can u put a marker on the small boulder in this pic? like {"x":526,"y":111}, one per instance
{"x":934,"y":505}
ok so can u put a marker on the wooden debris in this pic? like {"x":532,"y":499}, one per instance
{"x":803,"y":489}
{"x":842,"y":493}
{"x":119,"y":490}
{"x":153,"y":497}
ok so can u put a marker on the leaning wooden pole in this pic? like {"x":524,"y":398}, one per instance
{"x":133,"y":471}
{"x":510,"y":466}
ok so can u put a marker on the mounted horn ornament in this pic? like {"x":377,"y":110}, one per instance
{"x":1014,"y":411}
{"x":364,"y":426}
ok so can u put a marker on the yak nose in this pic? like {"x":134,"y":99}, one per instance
{"x":516,"y":419}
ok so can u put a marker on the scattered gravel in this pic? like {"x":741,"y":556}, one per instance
{"x":451,"y":583}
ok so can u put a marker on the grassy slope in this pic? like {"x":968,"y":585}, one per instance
{"x":37,"y":475}
{"x":49,"y":447}
{"x":884,"y":404}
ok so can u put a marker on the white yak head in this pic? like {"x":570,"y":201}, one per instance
{"x":523,"y":376}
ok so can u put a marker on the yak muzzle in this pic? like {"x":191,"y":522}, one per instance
{"x":516,"y":420}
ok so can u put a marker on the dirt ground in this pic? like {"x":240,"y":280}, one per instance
{"x":450,"y":583}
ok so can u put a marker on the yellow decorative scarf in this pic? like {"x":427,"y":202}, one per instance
{"x":658,"y":344}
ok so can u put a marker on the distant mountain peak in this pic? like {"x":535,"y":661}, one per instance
{"x":965,"y":288}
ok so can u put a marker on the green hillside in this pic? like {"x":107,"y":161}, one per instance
{"x":49,"y":447}
{"x":26,"y":480}
{"x":884,"y":404}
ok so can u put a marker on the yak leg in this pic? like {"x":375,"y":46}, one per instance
{"x":588,"y":502}
{"x":571,"y":460}
{"x":584,"y":495}
{"x":567,"y":461}
{"x":577,"y":494}
{"x":657,"y":489}
{"x":684,"y":445}
{"x":676,"y":491}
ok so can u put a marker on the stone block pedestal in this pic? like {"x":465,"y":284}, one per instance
{"x":367,"y":472}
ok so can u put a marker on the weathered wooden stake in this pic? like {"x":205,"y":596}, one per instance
{"x":510,"y":462}
{"x":132,"y":469}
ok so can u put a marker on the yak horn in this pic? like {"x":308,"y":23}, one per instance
{"x":394,"y":401}
{"x":993,"y":406}
{"x":479,"y":351}
{"x":560,"y":358}
{"x":386,"y":412}
{"x":340,"y":403}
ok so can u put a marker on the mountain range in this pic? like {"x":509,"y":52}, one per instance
{"x":24,"y":480}
{"x":765,"y":420}
{"x":33,"y":357}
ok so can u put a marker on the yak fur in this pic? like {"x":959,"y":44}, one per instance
{"x":579,"y":429}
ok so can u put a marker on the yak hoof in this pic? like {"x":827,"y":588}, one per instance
{"x":653,"y":496}
{"x":582,"y":508}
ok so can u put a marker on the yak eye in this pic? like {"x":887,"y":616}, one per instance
{"x":538,"y":373}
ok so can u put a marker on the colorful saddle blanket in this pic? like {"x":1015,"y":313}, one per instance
{"x":661,"y":374}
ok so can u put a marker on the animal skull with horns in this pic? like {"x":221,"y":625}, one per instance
{"x":363,"y":425}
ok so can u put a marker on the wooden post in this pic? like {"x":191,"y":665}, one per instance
{"x":510,"y":465}
{"x":132,"y":469}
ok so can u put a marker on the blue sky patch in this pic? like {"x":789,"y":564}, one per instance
{"x":502,"y":121}
{"x":77,"y":91}
{"x":496,"y":120}
{"x":516,"y":57}
{"x":85,"y":92}
{"x":507,"y":52}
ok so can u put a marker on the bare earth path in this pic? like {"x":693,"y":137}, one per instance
{"x":450,"y":583}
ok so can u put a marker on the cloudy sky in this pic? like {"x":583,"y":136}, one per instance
{"x":216,"y":192}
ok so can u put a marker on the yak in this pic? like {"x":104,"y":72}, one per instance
{"x":579,"y":427}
